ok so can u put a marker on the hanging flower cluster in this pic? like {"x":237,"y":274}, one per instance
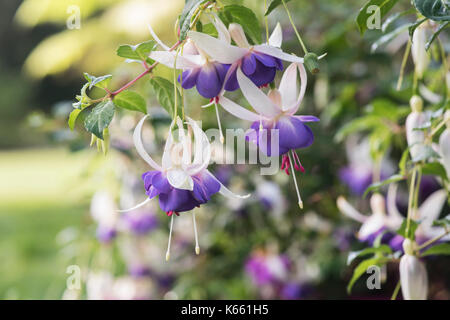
{"x":213,"y":63}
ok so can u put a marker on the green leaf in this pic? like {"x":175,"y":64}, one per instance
{"x":403,"y":161}
{"x":187,"y":15}
{"x":442,"y":26}
{"x":209,"y":29}
{"x":436,"y":10}
{"x":383,"y":249}
{"x":412,"y":229}
{"x":394,"y":17}
{"x":73,"y":118}
{"x":377,"y":185}
{"x":99,"y":82}
{"x":137,"y":52}
{"x":384,"y":6}
{"x":273,"y":5}
{"x":414,"y":26}
{"x":438,"y":250}
{"x":435,"y":169}
{"x":359,"y":124}
{"x":362,"y":269}
{"x":388,"y":37}
{"x":247,"y":19}
{"x":445,"y":222}
{"x":131,"y":101}
{"x":164,"y":90}
{"x":100,"y":118}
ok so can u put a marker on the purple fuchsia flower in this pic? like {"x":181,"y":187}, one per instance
{"x":140,"y":222}
{"x":199,"y":69}
{"x":258,"y":62}
{"x":103,"y":211}
{"x":275,"y":128}
{"x":183,"y":181}
{"x":266,"y":269}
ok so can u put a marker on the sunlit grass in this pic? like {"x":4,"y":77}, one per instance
{"x":36,"y":203}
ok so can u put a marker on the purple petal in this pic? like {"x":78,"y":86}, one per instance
{"x":222,"y":70}
{"x":232,"y":83}
{"x":249,"y":64}
{"x":307,"y":118}
{"x":177,"y":200}
{"x":262,"y":75}
{"x":293,"y":133}
{"x":161,"y":183}
{"x":208,"y":82}
{"x":189,"y":78}
{"x":204,"y":187}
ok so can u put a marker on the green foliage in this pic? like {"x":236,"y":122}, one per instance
{"x":445,"y":222}
{"x":437,"y":10}
{"x":164,"y":90}
{"x":246,"y":18}
{"x":138,"y":52}
{"x":100,"y":118}
{"x":131,"y":101}
{"x":186,"y":16}
{"x":434,"y":169}
{"x":377,"y":185}
{"x":382,"y":250}
{"x":384,"y":6}
{"x":441,"y":27}
{"x":362,"y":269}
{"x":273,"y":5}
{"x":388,"y":37}
{"x":437,"y":250}
{"x":411,"y":234}
{"x":99,"y":82}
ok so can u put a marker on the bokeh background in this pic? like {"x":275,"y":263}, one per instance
{"x":263,"y":249}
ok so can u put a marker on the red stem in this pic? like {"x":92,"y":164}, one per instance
{"x":147,"y":71}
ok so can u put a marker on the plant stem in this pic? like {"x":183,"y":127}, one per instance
{"x":410,"y":201}
{"x":295,"y":28}
{"x":266,"y":20}
{"x":402,"y":68}
{"x":416,"y":193}
{"x":431,"y":241}
{"x":396,"y":290}
{"x":147,"y":71}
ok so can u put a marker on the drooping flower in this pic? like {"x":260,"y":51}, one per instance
{"x":199,"y":69}
{"x":140,"y":222}
{"x":415,"y":136}
{"x":258,"y":62}
{"x":275,"y":128}
{"x":103,"y":211}
{"x":444,"y":144}
{"x":181,"y":183}
{"x":418,"y":52}
{"x":413,"y":274}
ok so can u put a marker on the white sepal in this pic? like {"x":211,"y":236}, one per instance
{"x":137,"y":138}
{"x":413,"y":278}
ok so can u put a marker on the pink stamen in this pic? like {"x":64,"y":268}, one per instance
{"x":297,"y":159}
{"x":170,"y":213}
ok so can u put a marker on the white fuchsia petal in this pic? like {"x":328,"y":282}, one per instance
{"x":202,"y":154}
{"x":217,"y":49}
{"x":155,"y":37}
{"x":347,"y":209}
{"x":277,"y":53}
{"x":289,"y":87}
{"x":276,"y":38}
{"x":166,"y":158}
{"x":431,"y":208}
{"x":137,"y":138}
{"x":238,"y":35}
{"x":183,"y":61}
{"x":238,"y":111}
{"x":225,"y":191}
{"x":222,"y":30}
{"x":256,"y":97}
{"x":292,"y":109}
{"x":180,"y":179}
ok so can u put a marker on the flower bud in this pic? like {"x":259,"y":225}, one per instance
{"x":416,"y":103}
{"x":415,"y":138}
{"x":312,"y":62}
{"x":413,"y":278}
{"x":238,"y":35}
{"x":419,"y":54}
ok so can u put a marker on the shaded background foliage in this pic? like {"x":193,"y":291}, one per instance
{"x":42,"y":64}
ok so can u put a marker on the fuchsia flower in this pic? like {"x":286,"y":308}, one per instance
{"x":182,"y":182}
{"x":276,"y":116}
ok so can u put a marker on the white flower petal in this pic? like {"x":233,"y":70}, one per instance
{"x":256,"y":97}
{"x":276,"y":38}
{"x":238,"y":35}
{"x":186,"y":157}
{"x":289,"y":86}
{"x":137,"y":206}
{"x":222,"y":30}
{"x":217,"y":49}
{"x":137,"y":138}
{"x":225,"y":191}
{"x":277,"y":52}
{"x":347,"y":209}
{"x":395,"y":218}
{"x":183,"y":61}
{"x":202,"y":154}
{"x":303,"y":82}
{"x":444,"y":150}
{"x":180,"y":179}
{"x":238,"y":111}
{"x":431,"y":208}
{"x":155,"y":37}
{"x":166,"y":158}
